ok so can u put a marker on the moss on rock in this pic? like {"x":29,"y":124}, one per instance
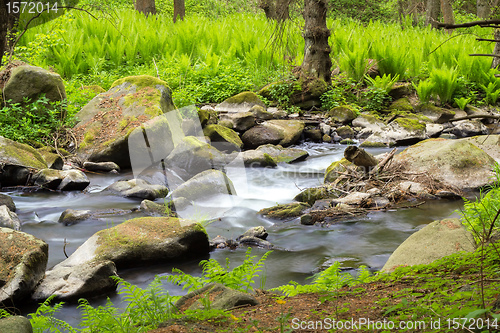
{"x":218,"y":133}
{"x":402,"y":104}
{"x":343,"y":114}
{"x":141,"y":81}
{"x":332,"y":172}
{"x":285,"y":211}
{"x":411,"y":125}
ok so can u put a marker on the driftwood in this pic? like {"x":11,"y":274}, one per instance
{"x":483,"y":24}
{"x":359,"y":157}
{"x":380,"y":166}
{"x":489,"y":116}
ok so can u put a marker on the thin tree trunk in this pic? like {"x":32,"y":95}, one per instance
{"x":145,"y":6}
{"x":496,"y":49}
{"x":483,"y":9}
{"x":179,"y":10}
{"x":317,"y":62}
{"x":432,"y":12}
{"x":3,"y":27}
{"x":447,"y":11}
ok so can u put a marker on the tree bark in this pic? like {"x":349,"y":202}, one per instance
{"x":145,"y":6}
{"x":360,"y":157}
{"x":7,"y":23}
{"x":447,"y":11}
{"x":496,"y":49}
{"x":278,"y":10}
{"x":179,"y":10}
{"x":317,"y":62}
{"x":433,"y":9}
{"x":483,"y":9}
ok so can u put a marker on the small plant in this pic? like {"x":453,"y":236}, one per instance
{"x":445,"y":83}
{"x":462,"y":102}
{"x":424,"y":90}
{"x":240,"y":278}
{"x":374,"y":99}
{"x":492,"y":93}
{"x":283,"y":318}
{"x":386,"y":82}
{"x":43,"y":319}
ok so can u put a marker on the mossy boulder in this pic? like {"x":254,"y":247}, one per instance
{"x":242,"y":102}
{"x":257,"y":158}
{"x":261,"y":113}
{"x":15,"y":324}
{"x":335,"y":169}
{"x":240,"y":121}
{"x":488,"y":143}
{"x":285,"y":211}
{"x":435,"y":113}
{"x":402,"y":104}
{"x":223,"y":138}
{"x":455,"y":163}
{"x":290,"y":129}
{"x":342,"y":114}
{"x":7,"y":201}
{"x":9,"y":219}
{"x":313,"y":194}
{"x":192,"y":156}
{"x":31,"y":82}
{"x":345,"y":132}
{"x":369,"y":121}
{"x":54,"y":161}
{"x":23,"y":259}
{"x":18,"y":162}
{"x":285,"y":155}
{"x":134,"y":243}
{"x":435,"y":241}
{"x":467,"y":128}
{"x":401,"y":131}
{"x":107,"y":120}
{"x":400,"y":89}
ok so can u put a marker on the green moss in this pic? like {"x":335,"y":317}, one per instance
{"x":316,"y":87}
{"x":411,"y":125}
{"x":402,"y":104}
{"x":331,"y":173}
{"x":285,"y":211}
{"x":21,"y":154}
{"x":219,"y":133}
{"x":245,"y":97}
{"x":148,"y":97}
{"x":311,"y":195}
{"x":141,"y":81}
{"x":373,"y":144}
{"x":343,"y":114}
{"x":269,"y":160}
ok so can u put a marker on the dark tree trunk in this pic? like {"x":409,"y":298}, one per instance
{"x":7,"y":23}
{"x":179,"y":10}
{"x":278,"y":10}
{"x":145,"y":6}
{"x":317,"y":62}
{"x":432,"y":12}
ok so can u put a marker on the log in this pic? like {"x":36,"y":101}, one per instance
{"x":379,"y":167}
{"x":359,"y":157}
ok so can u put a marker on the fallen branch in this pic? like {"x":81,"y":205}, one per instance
{"x":380,"y":166}
{"x":489,"y":116}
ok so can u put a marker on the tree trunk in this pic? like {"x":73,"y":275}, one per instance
{"x":179,"y":10}
{"x":359,"y":157}
{"x":447,"y":11}
{"x":483,"y":9}
{"x":317,"y":62}
{"x":7,"y":23}
{"x":496,"y":49}
{"x":145,"y":6}
{"x":278,"y":10}
{"x":432,"y":12}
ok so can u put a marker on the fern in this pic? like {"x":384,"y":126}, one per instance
{"x":43,"y":319}
{"x":4,"y":313}
{"x":328,"y":280}
{"x":240,"y":278}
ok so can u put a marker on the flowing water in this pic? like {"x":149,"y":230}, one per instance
{"x":365,"y":240}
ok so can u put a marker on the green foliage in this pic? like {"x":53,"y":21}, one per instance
{"x":281,"y":92}
{"x":462,"y":102}
{"x":362,"y":10}
{"x":339,"y":93}
{"x":477,"y":216}
{"x":328,"y":280}
{"x":374,"y":99}
{"x":43,"y":319}
{"x":386,"y":82}
{"x":492,"y":92}
{"x":445,"y":83}
{"x":34,"y":122}
{"x":239,"y":278}
{"x":4,"y":313}
{"x":424,"y":90}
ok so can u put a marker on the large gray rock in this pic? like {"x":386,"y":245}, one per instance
{"x":23,"y":259}
{"x":434,"y":241}
{"x":240,"y":121}
{"x":15,"y":324}
{"x":435,"y":113}
{"x":32,"y":82}
{"x":257,"y":158}
{"x":133,"y":243}
{"x":221,"y":298}
{"x":242,"y":102}
{"x":455,"y":163}
{"x":138,"y":188}
{"x":488,"y":143}
{"x":73,"y":180}
{"x":261,"y":135}
{"x":9,"y":219}
{"x":101,"y":166}
{"x":193,"y":156}
{"x":205,"y":185}
{"x":368,"y":121}
{"x":7,"y":201}
{"x":342,"y":114}
{"x":108,"y":120}
{"x":280,"y":154}
{"x":54,"y":161}
{"x":18,"y":160}
{"x":89,"y":279}
{"x":402,"y":131}
{"x":466,"y":128}
{"x":290,"y":129}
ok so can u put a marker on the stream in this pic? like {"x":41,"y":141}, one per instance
{"x":367,"y":240}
